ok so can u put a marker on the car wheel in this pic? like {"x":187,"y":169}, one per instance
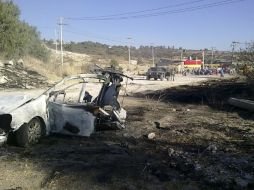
{"x":29,"y":133}
{"x":155,"y":78}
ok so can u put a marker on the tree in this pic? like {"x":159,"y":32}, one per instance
{"x":246,"y":58}
{"x":17,"y":38}
{"x":9,"y":14}
{"x":246,"y":55}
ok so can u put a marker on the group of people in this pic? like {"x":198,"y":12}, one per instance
{"x":208,"y":71}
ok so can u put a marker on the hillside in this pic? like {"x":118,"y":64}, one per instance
{"x":82,"y":63}
{"x":142,"y":54}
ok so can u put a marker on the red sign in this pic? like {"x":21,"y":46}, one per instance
{"x":193,"y":62}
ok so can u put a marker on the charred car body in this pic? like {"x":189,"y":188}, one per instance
{"x":77,"y":105}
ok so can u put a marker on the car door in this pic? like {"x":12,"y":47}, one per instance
{"x":72,"y":119}
{"x":69,"y":112}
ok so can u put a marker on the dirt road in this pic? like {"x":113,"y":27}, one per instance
{"x":136,"y":86}
{"x":132,"y":87}
{"x":196,"y":146}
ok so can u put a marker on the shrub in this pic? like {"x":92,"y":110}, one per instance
{"x":17,"y":38}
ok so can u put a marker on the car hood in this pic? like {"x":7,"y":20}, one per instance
{"x":9,"y":103}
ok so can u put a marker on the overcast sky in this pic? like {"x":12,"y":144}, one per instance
{"x":210,"y":27}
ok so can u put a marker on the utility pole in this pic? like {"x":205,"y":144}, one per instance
{"x":153,"y":55}
{"x":61,"y":38}
{"x":213,"y":48}
{"x":129,"y":38}
{"x":182,"y":63}
{"x":233,"y":50}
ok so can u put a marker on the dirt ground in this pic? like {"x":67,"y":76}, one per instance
{"x":199,"y":143}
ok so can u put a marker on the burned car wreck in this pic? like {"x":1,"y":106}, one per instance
{"x":77,"y":105}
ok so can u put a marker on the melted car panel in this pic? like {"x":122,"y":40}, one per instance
{"x":77,"y":105}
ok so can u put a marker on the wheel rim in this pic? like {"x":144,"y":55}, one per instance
{"x":34,"y":130}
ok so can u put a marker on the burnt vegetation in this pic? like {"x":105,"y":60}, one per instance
{"x":214,"y":93}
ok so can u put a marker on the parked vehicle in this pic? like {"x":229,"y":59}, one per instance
{"x":157,"y":73}
{"x":77,"y":105}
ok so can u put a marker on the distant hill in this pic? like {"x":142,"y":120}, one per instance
{"x":140,"y":53}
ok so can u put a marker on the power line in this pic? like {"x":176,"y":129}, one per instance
{"x":143,"y":11}
{"x":186,"y":9}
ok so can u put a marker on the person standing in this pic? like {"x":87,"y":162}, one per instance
{"x":172,"y":74}
{"x":222,"y":72}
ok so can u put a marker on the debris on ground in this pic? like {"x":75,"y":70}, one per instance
{"x":151,"y":136}
{"x":209,"y":147}
{"x":212,"y":148}
{"x":14,"y":75}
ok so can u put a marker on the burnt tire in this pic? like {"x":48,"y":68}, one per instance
{"x":29,"y":133}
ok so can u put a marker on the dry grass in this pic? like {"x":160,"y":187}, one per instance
{"x":75,"y":63}
{"x":46,"y":69}
{"x":53,"y":70}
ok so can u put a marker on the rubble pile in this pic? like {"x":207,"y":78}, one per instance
{"x":15,"y":75}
